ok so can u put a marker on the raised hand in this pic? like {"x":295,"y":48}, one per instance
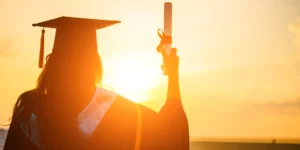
{"x":171,"y":63}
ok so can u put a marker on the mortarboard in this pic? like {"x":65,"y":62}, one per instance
{"x":72,"y":33}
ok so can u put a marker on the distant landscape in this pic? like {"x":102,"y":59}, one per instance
{"x":233,"y":145}
{"x":210,"y":144}
{"x":3,"y":133}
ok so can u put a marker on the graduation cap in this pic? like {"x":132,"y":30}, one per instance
{"x":72,"y":33}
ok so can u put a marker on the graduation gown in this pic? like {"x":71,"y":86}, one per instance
{"x":124,"y":125}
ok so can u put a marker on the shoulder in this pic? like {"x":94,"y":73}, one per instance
{"x":121,"y":103}
{"x":27,"y":98}
{"x":28,"y":95}
{"x":24,"y":103}
{"x":128,"y":104}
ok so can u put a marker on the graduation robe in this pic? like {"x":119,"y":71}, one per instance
{"x":124,"y":125}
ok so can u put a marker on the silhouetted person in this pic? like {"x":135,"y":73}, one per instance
{"x":67,"y":111}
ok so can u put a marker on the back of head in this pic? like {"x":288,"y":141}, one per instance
{"x":74,"y":65}
{"x":68,"y":80}
{"x":67,"y":84}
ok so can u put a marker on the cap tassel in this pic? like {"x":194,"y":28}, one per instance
{"x":41,"y":59}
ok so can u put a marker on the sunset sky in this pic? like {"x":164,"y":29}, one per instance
{"x":239,"y":59}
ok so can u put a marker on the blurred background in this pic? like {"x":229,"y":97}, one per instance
{"x":239,"y":60}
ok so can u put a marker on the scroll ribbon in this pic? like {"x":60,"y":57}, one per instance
{"x":164,"y":40}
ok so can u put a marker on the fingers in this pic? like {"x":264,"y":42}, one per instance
{"x":171,"y":61}
{"x":174,"y":53}
{"x":174,"y":50}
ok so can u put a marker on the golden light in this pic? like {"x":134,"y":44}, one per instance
{"x":132,"y":76}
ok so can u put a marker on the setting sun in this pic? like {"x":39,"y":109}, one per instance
{"x":132,"y":76}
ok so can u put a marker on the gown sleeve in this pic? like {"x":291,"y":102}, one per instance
{"x":16,"y":138}
{"x":17,"y":135}
{"x":174,"y":126}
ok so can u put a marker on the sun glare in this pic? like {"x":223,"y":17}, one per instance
{"x":132,"y":76}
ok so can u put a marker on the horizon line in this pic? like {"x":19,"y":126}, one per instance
{"x":283,"y":140}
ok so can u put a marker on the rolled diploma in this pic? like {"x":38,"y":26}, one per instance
{"x":168,"y":25}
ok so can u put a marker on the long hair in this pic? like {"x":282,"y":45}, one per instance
{"x":64,"y":87}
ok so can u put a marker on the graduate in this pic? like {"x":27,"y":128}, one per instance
{"x":67,"y":110}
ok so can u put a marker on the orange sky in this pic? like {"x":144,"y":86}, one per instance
{"x":240,"y":72}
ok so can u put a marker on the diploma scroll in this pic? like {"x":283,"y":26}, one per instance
{"x":167,"y":28}
{"x":166,"y":35}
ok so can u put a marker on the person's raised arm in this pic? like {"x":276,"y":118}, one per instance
{"x":172,"y":64}
{"x":173,"y":120}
